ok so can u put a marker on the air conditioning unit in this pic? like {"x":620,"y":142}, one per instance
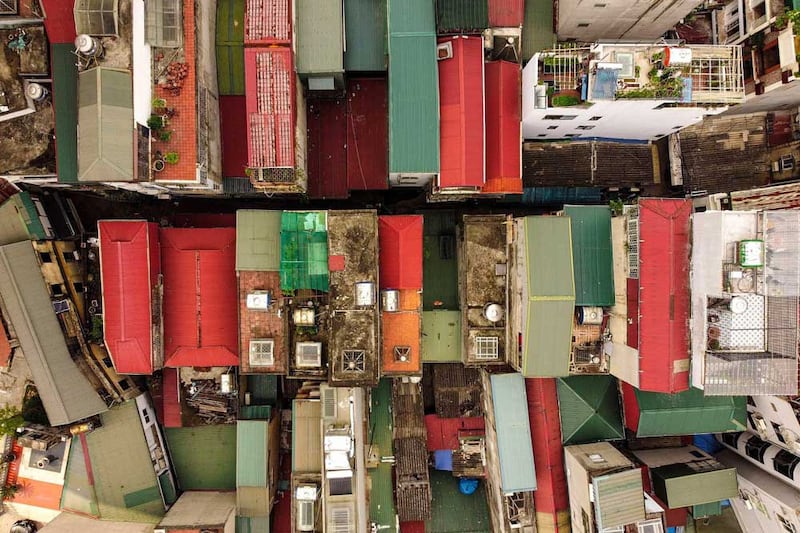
{"x":160,"y":530}
{"x":341,"y":519}
{"x":790,"y":438}
{"x":306,"y":517}
{"x":262,"y":352}
{"x":308,"y":355}
{"x":760,"y":424}
{"x":258,"y":300}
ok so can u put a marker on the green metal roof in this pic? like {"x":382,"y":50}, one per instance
{"x":252,"y":453}
{"x":78,"y":495}
{"x":246,"y":524}
{"x":125,"y":483}
{"x":537,"y":29}
{"x":454,"y":512}
{"x":411,"y":16}
{"x":366,"y":35}
{"x":439,"y":272}
{"x":381,"y":496}
{"x":65,"y":104}
{"x":514,"y":450}
{"x":263,"y":389}
{"x":680,"y":485}
{"x":258,"y":240}
{"x":618,"y":499}
{"x":204,"y":457}
{"x":230,"y":47}
{"x":551,"y":296}
{"x":589,"y":409}
{"x":106,"y":126}
{"x":461,"y":16}
{"x":413,"y":103}
{"x":304,"y":251}
{"x":688,"y":413}
{"x":319,"y":36}
{"x":591,"y":248}
{"x":441,"y":336}
{"x":17,"y":220}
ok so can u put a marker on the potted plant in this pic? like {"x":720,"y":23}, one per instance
{"x":158,"y":165}
{"x":171,"y":157}
{"x":164,"y":135}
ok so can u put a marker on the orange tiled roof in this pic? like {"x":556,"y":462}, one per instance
{"x":402,"y":328}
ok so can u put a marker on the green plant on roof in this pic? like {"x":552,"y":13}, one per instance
{"x":11,"y":490}
{"x":10,"y":420}
{"x":159,"y":103}
{"x":164,"y":135}
{"x":615,"y":205}
{"x":96,"y":333}
{"x":792,"y":17}
{"x":171,"y":157}
{"x":565,"y":100}
{"x":155,"y":122}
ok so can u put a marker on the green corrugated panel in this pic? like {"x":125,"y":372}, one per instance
{"x":514,"y":451}
{"x":65,"y":102}
{"x":258,"y":240}
{"x":230,"y":47}
{"x":618,"y":499}
{"x":413,"y":104}
{"x":366,"y":35}
{"x":461,"y":16}
{"x":304,"y":251}
{"x":441,"y":336}
{"x":551,"y":296}
{"x":455,"y":512}
{"x":411,"y":16}
{"x":381,"y":497}
{"x":168,"y":488}
{"x":255,"y":412}
{"x":439,"y":272}
{"x":680,"y":485}
{"x":319,"y":36}
{"x":706,"y":509}
{"x":245,"y":524}
{"x":591,"y":248}
{"x":263,"y":389}
{"x":252,"y":453}
{"x":27,"y":211}
{"x":689,"y":413}
{"x":204,"y":457}
{"x":19,"y":220}
{"x":589,"y":409}
{"x":537,"y":29}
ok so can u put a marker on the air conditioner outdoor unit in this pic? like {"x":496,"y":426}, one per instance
{"x":262,"y":352}
{"x":760,"y":425}
{"x":308,"y":355}
{"x":305,"y":515}
{"x":258,"y":300}
{"x":790,"y":438}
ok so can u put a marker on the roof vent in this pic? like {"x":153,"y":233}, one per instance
{"x":402,"y":354}
{"x":493,"y":312}
{"x":353,"y":361}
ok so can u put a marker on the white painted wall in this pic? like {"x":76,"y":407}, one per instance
{"x":775,"y":410}
{"x":142,"y":75}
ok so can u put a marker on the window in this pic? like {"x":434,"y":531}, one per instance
{"x":560,"y":117}
{"x":600,"y":5}
{"x":585,"y":127}
{"x":751,"y":401}
{"x":145,"y":416}
{"x":96,"y":17}
{"x":262,"y":352}
{"x":163,"y":23}
{"x":785,"y":462}
{"x":78,"y":286}
{"x":46,"y":257}
{"x":486,"y":348}
{"x":699,"y":455}
{"x":124,"y":384}
{"x":341,"y":486}
{"x":552,"y":127}
{"x":787,"y":526}
{"x":595,"y":118}
{"x":56,"y":289}
{"x":107,"y":362}
{"x":583,"y":24}
{"x":8,"y":7}
{"x":572,"y":135}
{"x":777,"y":429}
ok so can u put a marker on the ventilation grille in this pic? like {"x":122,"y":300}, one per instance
{"x":633,"y":244}
{"x":328,"y":403}
{"x":402,"y":354}
{"x":353,"y":361}
{"x":341,"y":520}
{"x":486,"y":348}
{"x":8,"y":7}
{"x":262,"y":352}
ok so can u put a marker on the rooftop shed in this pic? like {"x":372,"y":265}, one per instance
{"x":130,"y":268}
{"x":514,"y":448}
{"x":304,"y":250}
{"x":320,"y":42}
{"x":503,"y":112}
{"x":366,"y":46}
{"x":591,"y":248}
{"x":462,"y":128}
{"x":215,"y":468}
{"x":258,"y":240}
{"x":256,"y":466}
{"x":589,"y":409}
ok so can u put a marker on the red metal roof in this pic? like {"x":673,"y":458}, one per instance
{"x":170,"y":399}
{"x":200,"y":297}
{"x":400,"y":239}
{"x":503,"y":128}
{"x":59,"y":23}
{"x":630,"y":406}
{"x":326,"y":162}
{"x":663,"y":294}
{"x":412,"y":527}
{"x":506,"y":13}
{"x":461,"y":125}
{"x":130,"y":263}
{"x":551,"y":499}
{"x":5,"y":346}
{"x":267,"y":22}
{"x":632,"y":299}
{"x":367,"y":134}
{"x":270,"y":92}
{"x":443,"y":432}
{"x":233,"y":121}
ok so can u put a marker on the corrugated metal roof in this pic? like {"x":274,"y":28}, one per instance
{"x":233,"y":121}
{"x":591,"y":248}
{"x":514,"y":449}
{"x":171,"y":398}
{"x":270,"y":84}
{"x":411,"y":16}
{"x":441,"y":336}
{"x":366,"y":35}
{"x":381,"y":501}
{"x":413,"y":102}
{"x":229,"y":44}
{"x":664,"y":294}
{"x":547,"y":338}
{"x":685,"y":413}
{"x":215,"y":467}
{"x":461,"y":16}
{"x":453,"y":511}
{"x":268,"y":22}
{"x":319,"y":36}
{"x":59,"y":22}
{"x":400,"y":251}
{"x":12,"y":225}
{"x":73,"y":522}
{"x":589,"y":408}
{"x":503,"y":127}
{"x":105,"y":125}
{"x":618,"y":499}
{"x":197,"y":510}
{"x":442,"y":433}
{"x":326,"y":159}
{"x":304,"y":251}
{"x":200,"y":316}
{"x":506,"y":13}
{"x":66,"y":394}
{"x":130,"y":263}
{"x":537,"y":30}
{"x":461,"y":127}
{"x":65,"y":105}
{"x":246,"y":524}
{"x":367,"y":133}
{"x":306,"y":436}
{"x":681,"y":484}
{"x":252,"y":453}
{"x":258,"y":240}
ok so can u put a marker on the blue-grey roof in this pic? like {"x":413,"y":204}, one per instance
{"x":517,"y":472}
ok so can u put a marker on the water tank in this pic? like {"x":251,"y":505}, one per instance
{"x":590,"y":315}
{"x":493,"y":312}
{"x":303,"y":316}
{"x":365,"y":293}
{"x":390,"y":300}
{"x":88,"y":45}
{"x":35,"y":92}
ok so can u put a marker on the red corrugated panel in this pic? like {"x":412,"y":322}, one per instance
{"x":233,"y":121}
{"x":548,"y":453}
{"x":461,"y":122}
{"x":630,"y":406}
{"x":282,"y":514}
{"x":503,"y":128}
{"x":443,"y":432}
{"x":203,"y":220}
{"x":327,"y":154}
{"x":664,"y":294}
{"x":779,"y":128}
{"x":59,"y":22}
{"x":367,"y":134}
{"x":400,"y":251}
{"x":632,"y":298}
{"x":171,"y":400}
{"x":5,"y":346}
{"x":506,"y":13}
{"x":268,"y":22}
{"x":130,"y":262}
{"x":200,"y":304}
{"x":412,"y":527}
{"x":270,"y":84}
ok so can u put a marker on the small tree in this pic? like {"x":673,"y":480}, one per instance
{"x":10,"y":420}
